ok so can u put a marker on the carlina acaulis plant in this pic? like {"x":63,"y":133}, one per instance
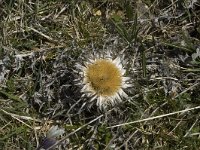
{"x":103,"y":80}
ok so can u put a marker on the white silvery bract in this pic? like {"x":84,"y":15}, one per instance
{"x":103,"y":80}
{"x":54,"y":132}
{"x":196,"y":55}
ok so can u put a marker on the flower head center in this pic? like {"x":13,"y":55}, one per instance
{"x":104,"y":77}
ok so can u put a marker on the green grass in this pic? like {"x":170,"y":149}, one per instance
{"x":41,"y":42}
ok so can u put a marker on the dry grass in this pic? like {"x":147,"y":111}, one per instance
{"x":42,"y":41}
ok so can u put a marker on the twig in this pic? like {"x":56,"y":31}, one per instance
{"x":155,"y":117}
{"x":191,"y":87}
{"x":20,"y":117}
{"x":191,"y":128}
{"x":61,"y":11}
{"x":42,"y":34}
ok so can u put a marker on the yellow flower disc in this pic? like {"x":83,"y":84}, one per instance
{"x":104,"y":77}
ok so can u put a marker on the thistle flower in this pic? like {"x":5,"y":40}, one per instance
{"x":50,"y":138}
{"x":103,"y":80}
